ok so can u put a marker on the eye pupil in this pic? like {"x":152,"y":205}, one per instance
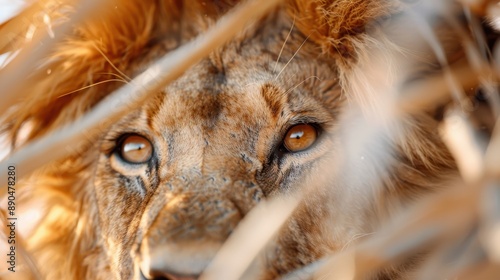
{"x":136,"y":149}
{"x":133,"y":147}
{"x":300,"y":137}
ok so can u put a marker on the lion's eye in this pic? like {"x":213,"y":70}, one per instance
{"x":135,"y":149}
{"x":300,"y":137}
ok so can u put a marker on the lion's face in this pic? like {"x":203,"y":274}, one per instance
{"x":156,"y":194}
{"x":178,"y":175}
{"x":258,"y":118}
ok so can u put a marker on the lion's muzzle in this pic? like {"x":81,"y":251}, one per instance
{"x":196,"y":217}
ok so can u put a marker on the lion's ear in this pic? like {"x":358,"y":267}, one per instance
{"x":93,"y":58}
{"x":334,"y":24}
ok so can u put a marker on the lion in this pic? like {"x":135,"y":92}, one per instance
{"x":156,"y":194}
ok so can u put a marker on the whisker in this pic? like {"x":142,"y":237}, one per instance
{"x":354,"y":238}
{"x":113,"y":74}
{"x":290,"y":79}
{"x":125,"y":77}
{"x":293,"y":56}
{"x":284,"y":43}
{"x":303,"y":81}
{"x":94,"y":84}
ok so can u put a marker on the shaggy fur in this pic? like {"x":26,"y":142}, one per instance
{"x":217,"y":136}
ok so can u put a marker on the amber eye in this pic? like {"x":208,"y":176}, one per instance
{"x":300,"y":137}
{"x":135,"y":149}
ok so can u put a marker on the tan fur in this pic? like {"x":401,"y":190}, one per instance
{"x":216,"y":132}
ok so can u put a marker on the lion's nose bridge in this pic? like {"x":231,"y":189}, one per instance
{"x":200,"y":206}
{"x":189,"y":229}
{"x":205,"y":206}
{"x":197,"y":213}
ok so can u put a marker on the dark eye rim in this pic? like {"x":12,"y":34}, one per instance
{"x":118,"y":148}
{"x":319,"y":132}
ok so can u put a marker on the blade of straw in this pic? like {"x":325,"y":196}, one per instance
{"x":436,"y":220}
{"x":270,"y":216}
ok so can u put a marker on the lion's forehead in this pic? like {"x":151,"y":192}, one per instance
{"x":232,"y":89}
